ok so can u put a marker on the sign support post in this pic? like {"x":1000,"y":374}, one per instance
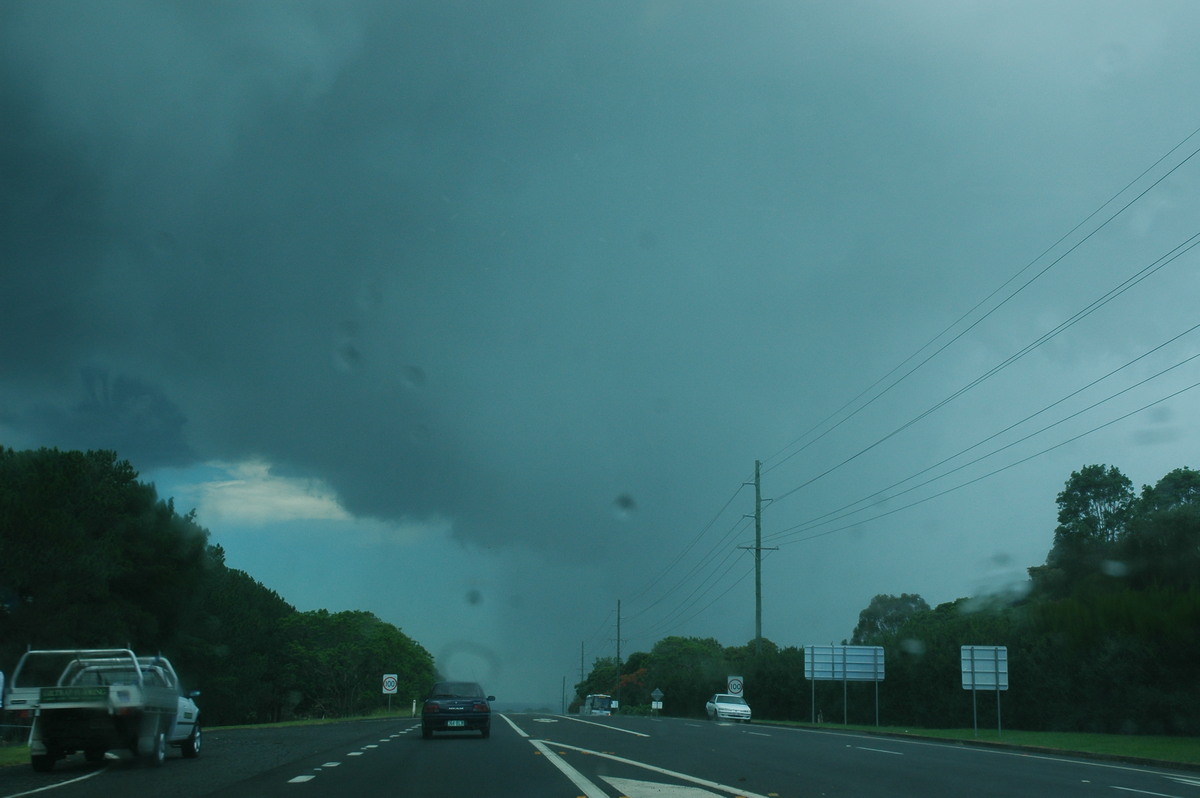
{"x":845,"y":664}
{"x":984,"y":668}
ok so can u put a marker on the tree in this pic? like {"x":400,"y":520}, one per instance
{"x":233,"y":650}
{"x":688,"y":670}
{"x":89,"y":556}
{"x":602,"y":680}
{"x":1162,"y":544}
{"x":335,"y":661}
{"x":884,"y":617}
{"x":1094,"y":511}
{"x":1179,"y":488}
{"x":1094,"y":506}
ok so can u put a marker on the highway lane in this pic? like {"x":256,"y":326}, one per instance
{"x":554,"y":755}
{"x":769,"y":761}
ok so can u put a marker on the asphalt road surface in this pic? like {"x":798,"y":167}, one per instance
{"x":560,"y":756}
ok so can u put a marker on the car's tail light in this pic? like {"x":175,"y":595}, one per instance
{"x":480,"y":707}
{"x":431,"y":707}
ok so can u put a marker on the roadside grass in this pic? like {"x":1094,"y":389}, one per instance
{"x":382,"y":714}
{"x":17,"y":754}
{"x":1182,"y":750}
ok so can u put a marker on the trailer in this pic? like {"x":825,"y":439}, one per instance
{"x":98,"y":700}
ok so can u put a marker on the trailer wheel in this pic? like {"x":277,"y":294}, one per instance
{"x":94,"y":755}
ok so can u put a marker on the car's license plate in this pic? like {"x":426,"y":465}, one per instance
{"x":456,"y":724}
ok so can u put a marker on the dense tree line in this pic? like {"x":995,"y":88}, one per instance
{"x":1104,"y":637}
{"x":90,"y":557}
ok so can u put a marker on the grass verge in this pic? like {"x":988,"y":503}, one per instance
{"x":1180,"y":750}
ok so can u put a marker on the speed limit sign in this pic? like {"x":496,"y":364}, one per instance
{"x":734,"y":685}
{"x":389,"y":684}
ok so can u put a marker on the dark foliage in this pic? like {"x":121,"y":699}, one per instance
{"x":91,"y":557}
{"x":1105,"y":638}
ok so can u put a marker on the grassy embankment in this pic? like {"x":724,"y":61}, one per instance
{"x":1184,"y":750}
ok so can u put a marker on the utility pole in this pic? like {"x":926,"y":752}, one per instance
{"x":757,"y":558}
{"x":758,"y":550}
{"x":618,"y":693}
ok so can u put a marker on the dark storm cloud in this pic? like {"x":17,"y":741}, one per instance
{"x":518,"y":264}
{"x":277,"y":217}
{"x":115,"y":412}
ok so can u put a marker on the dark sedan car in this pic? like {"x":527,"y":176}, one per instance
{"x":457,"y":706}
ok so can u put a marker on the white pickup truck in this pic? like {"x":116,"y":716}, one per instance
{"x":96,"y":700}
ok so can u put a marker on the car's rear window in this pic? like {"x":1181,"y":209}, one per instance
{"x":457,"y":690}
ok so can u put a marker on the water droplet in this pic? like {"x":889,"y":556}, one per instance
{"x":912,"y":646}
{"x":414,"y":376}
{"x":474,"y":597}
{"x":624,"y":507}
{"x":348,"y":357}
{"x":1114,"y":568}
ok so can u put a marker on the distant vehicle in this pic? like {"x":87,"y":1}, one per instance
{"x":457,"y":706}
{"x":597,"y":704}
{"x":95,"y":700}
{"x":723,"y":706}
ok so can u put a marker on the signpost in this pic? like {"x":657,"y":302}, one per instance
{"x":984,"y":668}
{"x":847,"y":664}
{"x":389,"y":687}
{"x":656,"y":698}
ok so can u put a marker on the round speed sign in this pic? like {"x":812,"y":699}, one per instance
{"x":389,"y":683}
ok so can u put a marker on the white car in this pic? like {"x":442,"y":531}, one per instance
{"x":723,"y":706}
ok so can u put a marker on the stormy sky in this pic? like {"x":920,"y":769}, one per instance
{"x":477,"y":315}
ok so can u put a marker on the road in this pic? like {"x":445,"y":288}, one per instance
{"x":560,"y":756}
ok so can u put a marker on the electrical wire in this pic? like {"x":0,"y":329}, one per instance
{"x":986,"y":299}
{"x":1002,"y":469}
{"x":1095,"y":305}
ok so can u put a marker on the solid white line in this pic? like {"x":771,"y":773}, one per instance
{"x":516,"y":728}
{"x":878,"y":750}
{"x":56,"y":786}
{"x":590,"y":790}
{"x":1144,"y":792}
{"x":603,"y":726}
{"x":738,"y":791}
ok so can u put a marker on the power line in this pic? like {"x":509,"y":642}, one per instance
{"x":982,"y":302}
{"x":710,"y":565}
{"x":837,"y":514}
{"x":1095,"y":305}
{"x":679,"y":558}
{"x":1005,"y":468}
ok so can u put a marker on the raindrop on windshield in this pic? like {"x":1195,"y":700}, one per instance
{"x":624,"y":507}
